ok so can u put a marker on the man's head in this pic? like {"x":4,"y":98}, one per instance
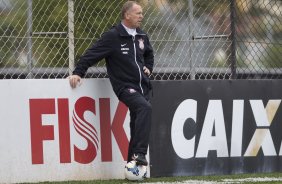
{"x":132,"y":14}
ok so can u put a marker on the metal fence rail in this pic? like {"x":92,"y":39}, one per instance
{"x":192,"y":39}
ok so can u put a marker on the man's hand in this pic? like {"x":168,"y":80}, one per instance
{"x":146,"y":70}
{"x":74,"y":80}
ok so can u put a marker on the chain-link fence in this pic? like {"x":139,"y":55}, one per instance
{"x":192,"y":39}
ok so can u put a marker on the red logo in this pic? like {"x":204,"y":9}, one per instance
{"x":40,"y":133}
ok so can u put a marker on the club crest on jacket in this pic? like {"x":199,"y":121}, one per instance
{"x":141,"y":43}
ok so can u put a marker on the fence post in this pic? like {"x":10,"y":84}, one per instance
{"x":232,"y":58}
{"x":71,"y":34}
{"x":191,"y":38}
{"x":29,"y":39}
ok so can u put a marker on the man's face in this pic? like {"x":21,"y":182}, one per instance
{"x":134,"y":16}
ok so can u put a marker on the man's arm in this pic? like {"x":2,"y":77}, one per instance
{"x":101,"y":49}
{"x":149,"y":58}
{"x":74,"y":80}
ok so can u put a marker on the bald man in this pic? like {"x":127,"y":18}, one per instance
{"x":129,"y":60}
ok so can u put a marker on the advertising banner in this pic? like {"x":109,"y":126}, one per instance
{"x":216,"y":127}
{"x":50,"y":132}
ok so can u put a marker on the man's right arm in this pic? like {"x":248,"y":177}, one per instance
{"x":101,"y":49}
{"x":74,"y":80}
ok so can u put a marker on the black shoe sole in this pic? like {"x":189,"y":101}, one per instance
{"x":138,"y":162}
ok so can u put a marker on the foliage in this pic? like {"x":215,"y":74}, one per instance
{"x":92,"y":18}
{"x":11,"y":34}
{"x":273,"y":58}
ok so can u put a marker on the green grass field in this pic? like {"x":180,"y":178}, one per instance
{"x":266,"y":178}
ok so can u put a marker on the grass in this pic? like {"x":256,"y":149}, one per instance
{"x":216,"y":178}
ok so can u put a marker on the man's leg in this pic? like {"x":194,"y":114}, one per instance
{"x":132,"y":133}
{"x":141,"y":108}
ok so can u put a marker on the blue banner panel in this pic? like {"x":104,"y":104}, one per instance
{"x":216,"y":127}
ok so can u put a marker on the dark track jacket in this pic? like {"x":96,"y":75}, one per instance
{"x":125,"y":57}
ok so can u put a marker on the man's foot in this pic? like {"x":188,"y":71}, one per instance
{"x":140,"y":159}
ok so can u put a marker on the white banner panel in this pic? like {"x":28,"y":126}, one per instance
{"x":50,"y":132}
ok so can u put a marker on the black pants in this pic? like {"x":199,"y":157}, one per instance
{"x":140,"y":120}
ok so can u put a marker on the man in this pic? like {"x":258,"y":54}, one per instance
{"x":129,"y":61}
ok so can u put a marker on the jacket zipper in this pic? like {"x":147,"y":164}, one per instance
{"x":140,"y":75}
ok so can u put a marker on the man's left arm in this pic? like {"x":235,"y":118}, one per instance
{"x":149,"y":56}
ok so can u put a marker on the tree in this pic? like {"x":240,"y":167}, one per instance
{"x":51,"y":50}
{"x":92,"y":18}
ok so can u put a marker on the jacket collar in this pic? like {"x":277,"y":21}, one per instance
{"x":121,"y":30}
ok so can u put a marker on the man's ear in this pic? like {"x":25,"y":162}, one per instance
{"x":127,"y":16}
